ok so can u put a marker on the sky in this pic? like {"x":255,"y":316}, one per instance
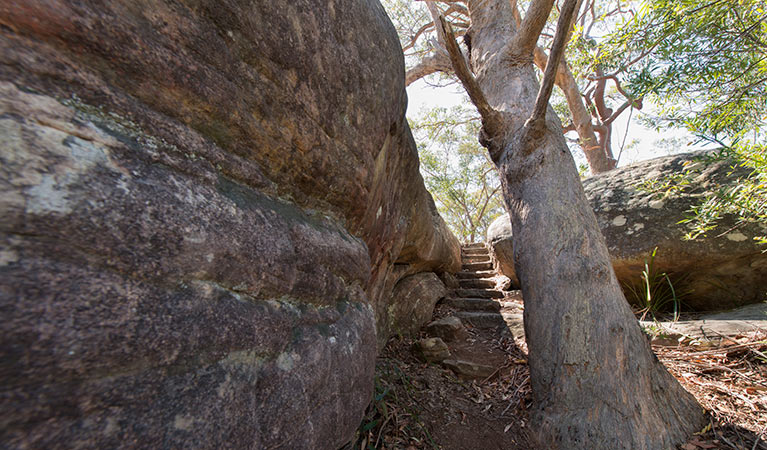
{"x":648,"y":142}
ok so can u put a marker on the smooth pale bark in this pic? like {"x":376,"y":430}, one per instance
{"x":437,"y":62}
{"x":596,"y":383}
{"x":598,"y":152}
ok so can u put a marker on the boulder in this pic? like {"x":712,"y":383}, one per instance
{"x":448,"y":328}
{"x":412,"y":304}
{"x":431,"y":349}
{"x":206,"y":207}
{"x":503,"y":283}
{"x":723,"y":270}
{"x":449,"y":280}
{"x":499,"y":240}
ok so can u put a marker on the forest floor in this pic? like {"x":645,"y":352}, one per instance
{"x":421,"y":405}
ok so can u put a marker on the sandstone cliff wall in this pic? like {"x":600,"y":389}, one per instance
{"x":205,"y":208}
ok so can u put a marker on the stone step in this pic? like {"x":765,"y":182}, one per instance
{"x":481,"y":319}
{"x":469,"y":369}
{"x":476,"y":252}
{"x":478,"y":293}
{"x":476,"y":259}
{"x":474,"y":245}
{"x":473,"y":304}
{"x":476,"y":283}
{"x":475,"y":274}
{"x":477,"y":266}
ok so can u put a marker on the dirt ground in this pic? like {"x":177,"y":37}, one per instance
{"x":425,"y":406}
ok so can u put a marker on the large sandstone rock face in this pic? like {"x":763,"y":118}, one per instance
{"x":417,"y":295}
{"x":723,"y":270}
{"x":205,"y":208}
{"x":500,"y":243}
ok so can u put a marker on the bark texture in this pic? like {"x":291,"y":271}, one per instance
{"x":597,"y":151}
{"x":596,"y":383}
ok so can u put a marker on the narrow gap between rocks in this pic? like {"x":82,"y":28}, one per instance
{"x":464,"y":383}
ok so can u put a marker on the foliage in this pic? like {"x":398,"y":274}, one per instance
{"x":705,"y":65}
{"x":409,"y":19}
{"x":747,"y":199}
{"x":655,"y":293}
{"x":417,"y":36}
{"x":704,"y":62}
{"x":458,"y":171}
{"x":744,"y":197}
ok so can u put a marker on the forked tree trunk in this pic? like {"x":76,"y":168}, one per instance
{"x":596,"y":383}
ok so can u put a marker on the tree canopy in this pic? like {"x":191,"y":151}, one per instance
{"x":589,"y":106}
{"x":458,"y":171}
{"x":702,"y":65}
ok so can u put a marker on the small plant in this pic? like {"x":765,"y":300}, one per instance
{"x":376,"y":416}
{"x":655,"y":293}
{"x":392,"y":419}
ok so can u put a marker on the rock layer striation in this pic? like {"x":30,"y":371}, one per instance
{"x":206,"y":207}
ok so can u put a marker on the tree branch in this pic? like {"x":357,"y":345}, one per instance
{"x":599,"y":96}
{"x":417,"y":34}
{"x":438,"y":62}
{"x":636,"y":103}
{"x":439,"y":23}
{"x":515,"y":12}
{"x":538,"y":118}
{"x":610,"y":77}
{"x":531,"y":26}
{"x":491,"y":119}
{"x":457,"y":8}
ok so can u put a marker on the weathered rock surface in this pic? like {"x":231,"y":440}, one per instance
{"x":499,"y":240}
{"x":723,"y":270}
{"x":205,"y":207}
{"x":412,"y":304}
{"x":710,"y":329}
{"x":719,"y":271}
{"x":448,"y":329}
{"x":468,"y":369}
{"x":431,"y":349}
{"x":449,"y":280}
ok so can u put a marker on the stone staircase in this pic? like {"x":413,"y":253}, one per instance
{"x":474,"y":319}
{"x":477,"y":301}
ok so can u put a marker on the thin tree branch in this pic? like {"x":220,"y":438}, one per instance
{"x":538,"y":117}
{"x":630,"y":102}
{"x":438,"y":62}
{"x":457,"y":7}
{"x":417,"y":34}
{"x":618,"y":86}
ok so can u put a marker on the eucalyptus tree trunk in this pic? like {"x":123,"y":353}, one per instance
{"x":596,"y":383}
